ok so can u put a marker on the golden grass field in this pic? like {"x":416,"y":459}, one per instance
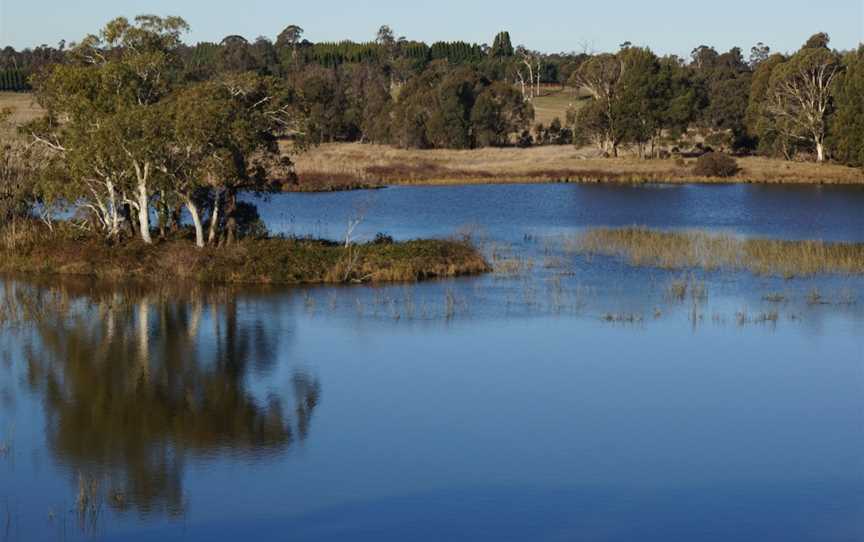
{"x":554,"y":103}
{"x":24,"y":109}
{"x":341,"y":165}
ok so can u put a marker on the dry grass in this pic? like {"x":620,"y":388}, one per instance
{"x":24,"y":109}
{"x":688,"y":250}
{"x":354,"y":165}
{"x":554,"y":102}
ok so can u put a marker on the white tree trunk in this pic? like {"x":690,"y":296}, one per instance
{"x":144,"y":213}
{"x":143,"y":202}
{"x":820,"y":151}
{"x":113,"y":211}
{"x":214,"y":220}
{"x":196,"y":221}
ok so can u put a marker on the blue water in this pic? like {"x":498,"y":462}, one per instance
{"x":500,"y":407}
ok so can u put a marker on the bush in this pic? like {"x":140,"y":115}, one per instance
{"x":716,"y":164}
{"x":249,"y":223}
{"x":382,"y":239}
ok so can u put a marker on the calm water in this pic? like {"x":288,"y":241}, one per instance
{"x":502,"y":407}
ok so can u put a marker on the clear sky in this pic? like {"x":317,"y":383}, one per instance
{"x":667,"y":26}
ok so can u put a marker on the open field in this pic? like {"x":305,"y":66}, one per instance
{"x":553,"y":103}
{"x":683,"y":250}
{"x":24,"y":109}
{"x":350,"y":165}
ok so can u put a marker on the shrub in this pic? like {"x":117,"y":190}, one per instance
{"x":716,"y":164}
{"x":249,"y":223}
{"x":525,"y":140}
{"x":382,"y":239}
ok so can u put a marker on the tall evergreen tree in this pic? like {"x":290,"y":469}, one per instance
{"x":502,"y":47}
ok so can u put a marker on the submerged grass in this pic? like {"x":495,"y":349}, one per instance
{"x":693,"y":250}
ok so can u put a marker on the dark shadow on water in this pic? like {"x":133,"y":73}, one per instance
{"x":136,"y":380}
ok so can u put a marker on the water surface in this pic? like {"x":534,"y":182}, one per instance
{"x":563,"y":398}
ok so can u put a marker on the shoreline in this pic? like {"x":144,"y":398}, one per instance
{"x":354,"y":166}
{"x":272,"y":261}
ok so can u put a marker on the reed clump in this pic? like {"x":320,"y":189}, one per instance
{"x":711,"y":252}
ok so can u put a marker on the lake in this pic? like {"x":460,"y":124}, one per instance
{"x":561,"y":397}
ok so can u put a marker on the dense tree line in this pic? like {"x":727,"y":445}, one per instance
{"x":142,"y":125}
{"x":13,"y":80}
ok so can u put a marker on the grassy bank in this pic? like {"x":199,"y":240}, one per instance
{"x":266,"y":261}
{"x":351,"y":165}
{"x":683,"y":250}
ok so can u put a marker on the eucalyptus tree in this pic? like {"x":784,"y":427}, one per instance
{"x":528,"y":71}
{"x":289,"y":37}
{"x":229,"y":129}
{"x":104,"y":116}
{"x":801,"y":92}
{"x":759,"y":53}
{"x":600,"y":76}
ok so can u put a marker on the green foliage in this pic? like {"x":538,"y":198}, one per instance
{"x":456,"y":52}
{"x":818,"y":41}
{"x":289,"y":37}
{"x":502,"y":47}
{"x":768,"y":140}
{"x":13,"y":80}
{"x":498,"y":113}
{"x":636,"y":98}
{"x":847,"y":126}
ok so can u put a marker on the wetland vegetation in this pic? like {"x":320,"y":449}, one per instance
{"x":712,"y":252}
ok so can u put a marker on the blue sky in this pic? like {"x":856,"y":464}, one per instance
{"x":667,"y":26}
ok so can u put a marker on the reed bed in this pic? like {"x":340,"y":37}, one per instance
{"x":712,"y":252}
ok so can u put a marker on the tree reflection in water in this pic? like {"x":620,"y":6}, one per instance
{"x":136,"y":381}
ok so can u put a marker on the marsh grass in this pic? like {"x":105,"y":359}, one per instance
{"x":88,"y":501}
{"x":262,"y":261}
{"x":679,"y":289}
{"x":622,"y":318}
{"x":700,"y":250}
{"x":769,"y":317}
